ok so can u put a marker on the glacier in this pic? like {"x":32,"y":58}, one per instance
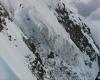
{"x":40,"y":40}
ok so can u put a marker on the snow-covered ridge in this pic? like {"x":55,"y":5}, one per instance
{"x":55,"y":50}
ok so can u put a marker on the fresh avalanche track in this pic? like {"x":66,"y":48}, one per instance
{"x":45,"y":40}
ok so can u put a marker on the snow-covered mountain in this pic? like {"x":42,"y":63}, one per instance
{"x":45,"y":40}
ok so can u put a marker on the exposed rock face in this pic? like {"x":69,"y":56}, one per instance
{"x":3,"y":15}
{"x":61,"y":43}
{"x":76,"y":31}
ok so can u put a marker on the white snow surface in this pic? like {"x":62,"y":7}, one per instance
{"x":44,"y":27}
{"x":12,"y":62}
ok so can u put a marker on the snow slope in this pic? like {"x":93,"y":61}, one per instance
{"x":50,"y":52}
{"x":12,"y":52}
{"x":4,"y":68}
